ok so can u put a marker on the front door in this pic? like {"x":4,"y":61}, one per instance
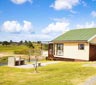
{"x":50,"y":51}
{"x":92,"y":53}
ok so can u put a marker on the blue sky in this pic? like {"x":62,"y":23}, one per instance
{"x":44,"y":19}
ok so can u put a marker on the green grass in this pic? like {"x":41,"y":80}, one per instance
{"x":12,"y":48}
{"x":64,"y":73}
{"x":20,"y":49}
{"x":4,"y":60}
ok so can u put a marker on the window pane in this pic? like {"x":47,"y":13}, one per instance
{"x":81,"y":46}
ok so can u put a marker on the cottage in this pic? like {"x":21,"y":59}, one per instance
{"x":74,"y":45}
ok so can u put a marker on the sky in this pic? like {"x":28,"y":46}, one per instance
{"x":44,"y":20}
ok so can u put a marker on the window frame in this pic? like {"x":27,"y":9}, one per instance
{"x":59,"y":47}
{"x":81,"y":46}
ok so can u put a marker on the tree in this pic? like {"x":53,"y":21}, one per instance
{"x":11,"y":42}
{"x":39,"y":42}
{"x":0,"y":42}
{"x":21,"y":42}
{"x":5,"y":43}
{"x":25,"y":42}
{"x":30,"y":46}
{"x":36,"y":64}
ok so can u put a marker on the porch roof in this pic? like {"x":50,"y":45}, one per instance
{"x":77,"y":35}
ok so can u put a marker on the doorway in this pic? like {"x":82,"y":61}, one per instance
{"x":92,"y":53}
{"x":50,"y":51}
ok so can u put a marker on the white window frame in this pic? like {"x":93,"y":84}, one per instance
{"x":59,"y":49}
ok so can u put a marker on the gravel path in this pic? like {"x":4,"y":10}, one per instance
{"x":32,"y":66}
{"x":90,"y":81}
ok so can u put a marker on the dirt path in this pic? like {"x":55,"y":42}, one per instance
{"x":90,"y":81}
{"x":9,"y":54}
{"x":5,"y":54}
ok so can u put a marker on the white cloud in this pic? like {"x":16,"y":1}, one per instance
{"x":64,"y":4}
{"x":27,"y":27}
{"x":87,"y":25}
{"x":11,"y":26}
{"x":93,"y":13}
{"x":17,"y":31}
{"x":39,"y":37}
{"x":32,"y":37}
{"x":15,"y":26}
{"x":56,"y":27}
{"x":21,"y":1}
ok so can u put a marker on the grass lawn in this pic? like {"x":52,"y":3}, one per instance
{"x":63,"y":73}
{"x":12,"y":48}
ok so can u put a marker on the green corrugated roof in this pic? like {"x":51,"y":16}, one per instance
{"x":77,"y":35}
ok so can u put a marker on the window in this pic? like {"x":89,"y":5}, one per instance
{"x":59,"y":49}
{"x":81,"y":46}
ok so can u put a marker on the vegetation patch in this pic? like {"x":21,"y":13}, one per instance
{"x":23,"y":47}
{"x":12,"y":48}
{"x":4,"y":60}
{"x":23,"y":51}
{"x":63,"y":73}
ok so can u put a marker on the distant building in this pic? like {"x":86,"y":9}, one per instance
{"x":74,"y":45}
